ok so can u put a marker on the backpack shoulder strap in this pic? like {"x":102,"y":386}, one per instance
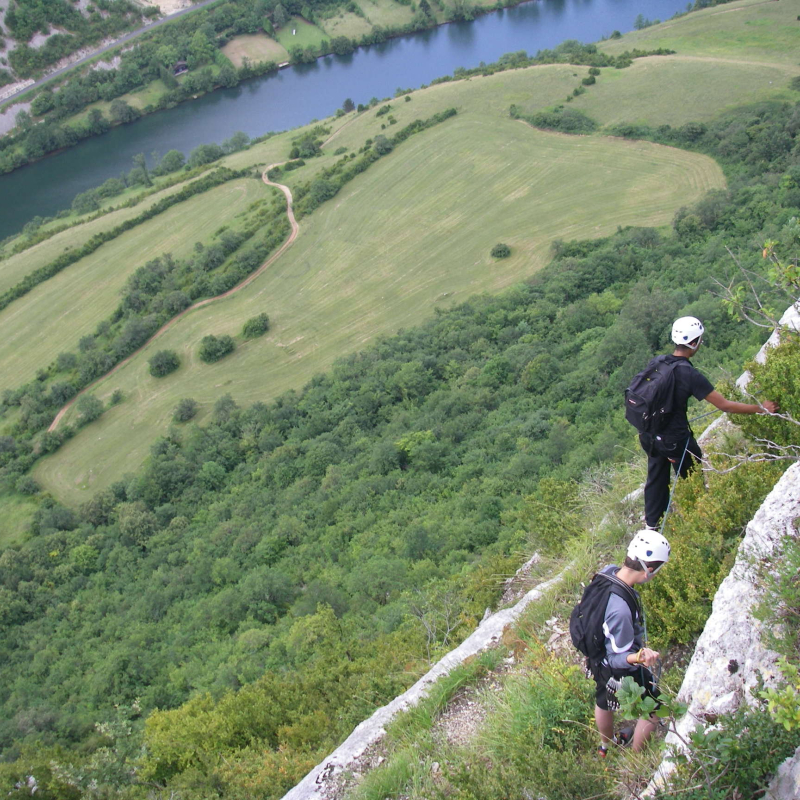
{"x":621,"y":589}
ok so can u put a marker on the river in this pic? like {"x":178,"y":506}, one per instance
{"x":296,"y":95}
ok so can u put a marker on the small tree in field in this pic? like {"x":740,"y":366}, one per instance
{"x":185,"y":410}
{"x":256,"y":326}
{"x":213,"y":348}
{"x":501,"y":250}
{"x":89,"y":408}
{"x":164,"y":362}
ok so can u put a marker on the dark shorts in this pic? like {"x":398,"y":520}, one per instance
{"x":641,"y":675}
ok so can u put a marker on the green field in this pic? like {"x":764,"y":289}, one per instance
{"x":14,"y":268}
{"x":16,"y":513}
{"x":760,"y":31}
{"x":345,"y":23}
{"x":373,"y":260}
{"x":56,"y":314}
{"x":674,"y":90}
{"x":299,"y":33}
{"x":414,"y":232}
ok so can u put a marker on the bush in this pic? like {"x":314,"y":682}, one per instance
{"x":501,"y":250}
{"x":27,"y":485}
{"x":213,"y":348}
{"x":564,"y":120}
{"x":256,"y":326}
{"x":163,"y":363}
{"x":117,"y":396}
{"x":89,"y":409}
{"x":776,"y":379}
{"x":185,"y":410}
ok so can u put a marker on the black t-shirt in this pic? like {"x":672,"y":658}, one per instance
{"x":689,"y":382}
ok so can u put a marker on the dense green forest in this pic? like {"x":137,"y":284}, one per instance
{"x":273,"y":576}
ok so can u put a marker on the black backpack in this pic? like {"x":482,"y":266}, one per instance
{"x":586,"y":620}
{"x":649,"y":400}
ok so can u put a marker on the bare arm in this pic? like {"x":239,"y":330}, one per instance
{"x":732,"y":407}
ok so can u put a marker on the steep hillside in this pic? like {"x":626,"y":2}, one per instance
{"x":240,"y":593}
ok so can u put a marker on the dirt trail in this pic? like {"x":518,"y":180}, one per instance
{"x":201,"y":303}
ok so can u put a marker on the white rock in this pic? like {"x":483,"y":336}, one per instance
{"x":786,"y":783}
{"x":732,"y":632}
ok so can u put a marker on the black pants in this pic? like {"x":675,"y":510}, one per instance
{"x":661,"y":456}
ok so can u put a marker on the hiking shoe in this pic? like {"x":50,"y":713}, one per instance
{"x":624,"y":737}
{"x":602,"y":752}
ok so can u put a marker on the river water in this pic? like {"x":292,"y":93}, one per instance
{"x":296,"y":95}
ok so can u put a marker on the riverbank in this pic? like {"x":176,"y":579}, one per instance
{"x":288,"y":98}
{"x":301,"y":42}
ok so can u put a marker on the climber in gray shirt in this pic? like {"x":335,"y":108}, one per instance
{"x":624,"y":639}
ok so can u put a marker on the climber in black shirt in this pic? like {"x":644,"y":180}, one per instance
{"x":675,"y":447}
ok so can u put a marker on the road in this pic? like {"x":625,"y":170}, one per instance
{"x":116,"y":43}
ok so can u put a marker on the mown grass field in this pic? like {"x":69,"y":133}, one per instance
{"x":749,"y":30}
{"x":386,"y":13}
{"x":297,"y":32}
{"x":673,"y":90}
{"x":414,"y":232}
{"x":14,"y":268}
{"x":256,"y":47}
{"x":345,"y":23}
{"x":56,"y":314}
{"x":410,"y":235}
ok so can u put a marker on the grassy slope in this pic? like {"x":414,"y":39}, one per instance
{"x":14,"y":268}
{"x":56,"y":314}
{"x":676,"y":90}
{"x":749,"y":30}
{"x":340,"y":260}
{"x":398,"y":241}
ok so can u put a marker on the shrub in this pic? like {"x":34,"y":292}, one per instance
{"x":89,"y":409}
{"x":565,"y":120}
{"x":703,"y":531}
{"x":27,"y":485}
{"x":738,"y":756}
{"x":256,"y":326}
{"x":185,"y":410}
{"x":775,"y":380}
{"x":117,"y":396}
{"x":501,"y":250}
{"x":213,"y":348}
{"x":163,"y":363}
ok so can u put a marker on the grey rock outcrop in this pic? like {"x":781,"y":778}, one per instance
{"x":730,"y":655}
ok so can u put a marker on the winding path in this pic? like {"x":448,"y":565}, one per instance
{"x":201,"y":303}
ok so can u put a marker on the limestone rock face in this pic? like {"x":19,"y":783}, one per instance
{"x":786,"y":785}
{"x":730,"y":653}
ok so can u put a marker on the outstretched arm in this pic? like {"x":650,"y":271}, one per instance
{"x":733,"y":407}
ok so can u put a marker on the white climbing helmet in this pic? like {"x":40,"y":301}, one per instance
{"x":687,"y":329}
{"x":647,"y":546}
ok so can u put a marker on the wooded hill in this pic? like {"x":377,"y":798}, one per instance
{"x":295,"y":548}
